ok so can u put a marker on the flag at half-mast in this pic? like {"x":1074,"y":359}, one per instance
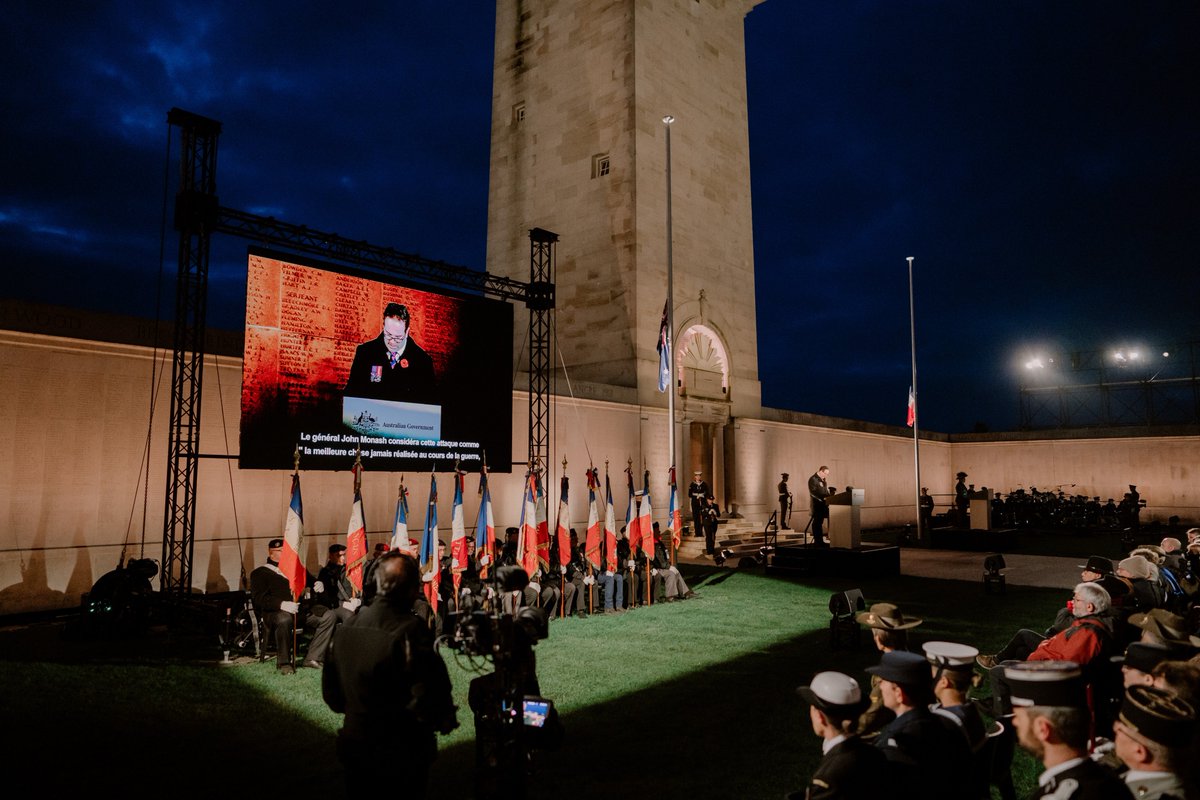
{"x":664,"y":351}
{"x":646,"y":521}
{"x":912,"y":407}
{"x":543,"y":526}
{"x":633,"y":525}
{"x":562,"y":530}
{"x":593,"y":538}
{"x":674,"y":513}
{"x":356,"y":535}
{"x":485,"y":528}
{"x":431,"y":566}
{"x":293,"y":528}
{"x":458,"y":534}
{"x":527,"y":537}
{"x":610,"y":527}
{"x":400,"y":540}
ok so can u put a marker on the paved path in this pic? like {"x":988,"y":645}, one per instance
{"x":1022,"y":570}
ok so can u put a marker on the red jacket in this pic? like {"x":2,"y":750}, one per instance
{"x":1080,"y":642}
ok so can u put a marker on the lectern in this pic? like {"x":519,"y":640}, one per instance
{"x":844,"y":524}
{"x":981,"y":509}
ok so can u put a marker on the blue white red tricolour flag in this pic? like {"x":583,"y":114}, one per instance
{"x":610,"y":527}
{"x":674,"y":514}
{"x":912,"y":407}
{"x":431,"y":566}
{"x":356,"y":535}
{"x":646,"y":522}
{"x":485,"y":528}
{"x":400,"y":539}
{"x":527,"y":538}
{"x":290,"y":563}
{"x":458,"y":535}
{"x":562,"y":528}
{"x":633,"y":525}
{"x":593,"y":538}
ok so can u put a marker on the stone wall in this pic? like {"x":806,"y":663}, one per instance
{"x":75,"y":420}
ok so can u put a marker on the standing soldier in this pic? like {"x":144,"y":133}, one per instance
{"x":698,"y":492}
{"x":785,"y":503}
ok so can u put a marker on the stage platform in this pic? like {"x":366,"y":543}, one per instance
{"x":868,"y":561}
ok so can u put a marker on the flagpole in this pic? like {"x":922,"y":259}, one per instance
{"x":912,"y":329}
{"x":667,"y":120}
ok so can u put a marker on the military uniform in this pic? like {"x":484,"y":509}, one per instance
{"x":269,"y":589}
{"x":852,"y":769}
{"x":1083,"y":779}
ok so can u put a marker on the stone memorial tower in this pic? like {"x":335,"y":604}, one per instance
{"x":578,"y":147}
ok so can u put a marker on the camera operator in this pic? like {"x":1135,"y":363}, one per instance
{"x":384,"y":675}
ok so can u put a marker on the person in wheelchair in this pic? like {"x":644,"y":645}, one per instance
{"x":272,"y":596}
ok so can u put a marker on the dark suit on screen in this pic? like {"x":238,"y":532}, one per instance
{"x":818,"y":490}
{"x":372,"y":374}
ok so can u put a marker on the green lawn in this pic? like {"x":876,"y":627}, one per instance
{"x":692,"y":699}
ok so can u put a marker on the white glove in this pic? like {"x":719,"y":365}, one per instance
{"x":631,"y":564}
{"x":319,"y":587}
{"x":465,"y":591}
{"x":673,"y":569}
{"x":290,"y":606}
{"x":589,"y":580}
{"x":562,"y":569}
{"x":428,"y":577}
{"x":609,"y":573}
{"x":352,"y":604}
{"x":654,"y":571}
{"x":537,"y":587}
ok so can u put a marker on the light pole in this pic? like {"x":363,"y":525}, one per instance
{"x":670,"y":343}
{"x":912,"y":329}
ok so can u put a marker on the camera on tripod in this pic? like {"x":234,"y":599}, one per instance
{"x":512,"y":719}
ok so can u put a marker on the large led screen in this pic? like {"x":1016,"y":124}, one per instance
{"x":338,"y":362}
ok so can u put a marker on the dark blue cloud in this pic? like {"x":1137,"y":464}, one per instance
{"x":1037,"y":159}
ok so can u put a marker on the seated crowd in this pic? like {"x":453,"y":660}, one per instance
{"x":1104,"y":697}
{"x":612,"y":584}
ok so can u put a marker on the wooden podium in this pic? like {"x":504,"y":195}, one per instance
{"x":844,"y":522}
{"x":981,"y":509}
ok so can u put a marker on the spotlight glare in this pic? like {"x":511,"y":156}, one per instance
{"x":1166,"y":354}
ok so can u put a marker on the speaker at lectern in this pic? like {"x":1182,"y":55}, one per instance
{"x":844,"y":518}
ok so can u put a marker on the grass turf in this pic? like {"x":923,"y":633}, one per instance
{"x":692,"y":699}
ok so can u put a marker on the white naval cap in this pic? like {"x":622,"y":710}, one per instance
{"x":950,"y":655}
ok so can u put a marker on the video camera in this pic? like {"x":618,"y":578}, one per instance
{"x":512,"y":719}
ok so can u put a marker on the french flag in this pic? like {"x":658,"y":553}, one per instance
{"x":289,"y":561}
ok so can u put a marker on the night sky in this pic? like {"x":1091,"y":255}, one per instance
{"x":1038,"y":159}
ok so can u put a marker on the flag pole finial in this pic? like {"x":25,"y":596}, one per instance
{"x":564,"y":463}
{"x":296,"y":459}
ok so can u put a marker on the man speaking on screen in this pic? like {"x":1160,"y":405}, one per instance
{"x":392,"y":366}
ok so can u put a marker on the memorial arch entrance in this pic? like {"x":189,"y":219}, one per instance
{"x":705,"y":416}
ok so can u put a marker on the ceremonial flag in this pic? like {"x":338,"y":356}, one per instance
{"x":458,"y":534}
{"x":633,"y":525}
{"x":610,"y":527}
{"x":912,"y":407}
{"x":646,"y":522}
{"x":356,"y":535}
{"x":664,"y":352}
{"x":293,"y":528}
{"x":527,"y":538}
{"x":431,"y":567}
{"x":400,"y":540}
{"x":563,"y":528}
{"x":591,"y":547}
{"x":485,"y":528}
{"x":674,"y":514}
{"x":543,"y":527}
